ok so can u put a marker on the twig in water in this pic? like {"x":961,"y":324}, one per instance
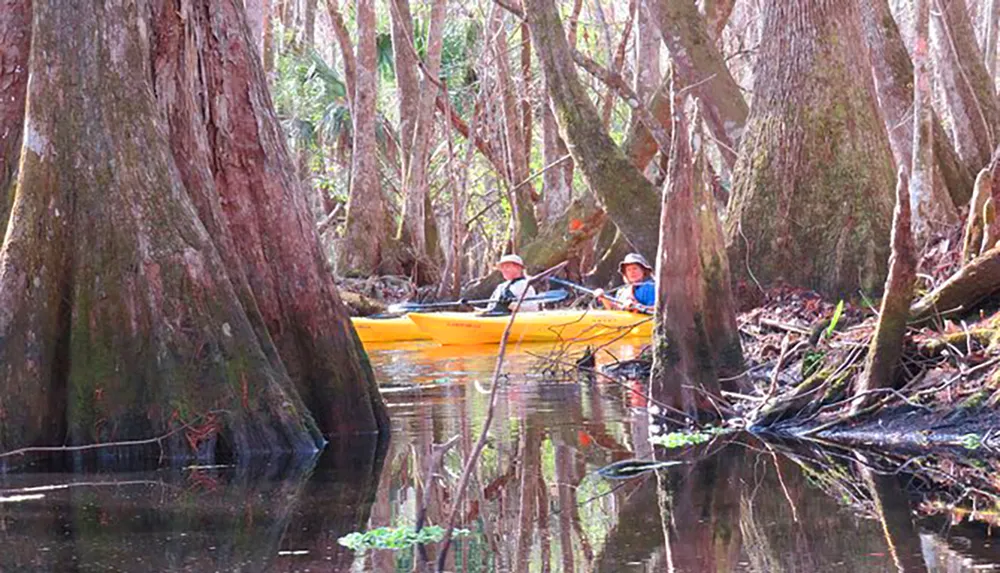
{"x":490,"y":411}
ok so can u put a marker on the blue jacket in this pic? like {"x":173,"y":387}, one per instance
{"x":645,"y":293}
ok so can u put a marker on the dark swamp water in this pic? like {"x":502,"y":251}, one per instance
{"x":535,"y":503}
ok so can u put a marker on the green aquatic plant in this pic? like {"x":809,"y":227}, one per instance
{"x":971,"y":441}
{"x":395,"y":538}
{"x":686,"y":438}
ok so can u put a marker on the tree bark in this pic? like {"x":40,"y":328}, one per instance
{"x":887,"y":342}
{"x":346,"y":50}
{"x":416,"y":209}
{"x":557,"y":181}
{"x":525,"y":223}
{"x":15,"y":43}
{"x":963,"y":83}
{"x":640,"y":146}
{"x":257,"y":17}
{"x":273,"y":231}
{"x":699,"y":62}
{"x":811,"y":201}
{"x":892,"y":71}
{"x":647,"y":53}
{"x":626,"y":195}
{"x":716,"y":13}
{"x":128,"y":306}
{"x":361,"y":250}
{"x":991,"y":14}
{"x":696,"y":337}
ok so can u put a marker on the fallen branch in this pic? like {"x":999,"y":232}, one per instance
{"x":970,"y":285}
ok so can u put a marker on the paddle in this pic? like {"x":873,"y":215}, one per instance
{"x":547,"y":297}
{"x":638,"y":307}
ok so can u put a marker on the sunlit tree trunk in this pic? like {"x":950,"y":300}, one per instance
{"x":963,"y":83}
{"x":361,"y":250}
{"x":716,"y":14}
{"x":346,"y":49}
{"x":15,"y":41}
{"x":627,"y":196}
{"x":991,"y":14}
{"x":419,"y":99}
{"x":699,"y":63}
{"x":812,"y":199}
{"x":557,"y":181}
{"x":174,"y":274}
{"x":257,"y":17}
{"x":892,"y":71}
{"x":526,"y":225}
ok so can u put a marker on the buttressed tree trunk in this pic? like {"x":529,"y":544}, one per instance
{"x":626,"y":195}
{"x":696,"y":334}
{"x":15,"y":41}
{"x":160,"y":267}
{"x":812,"y":199}
{"x":361,"y":249}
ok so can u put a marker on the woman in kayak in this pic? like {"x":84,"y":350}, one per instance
{"x":509,"y":291}
{"x":639,"y":292}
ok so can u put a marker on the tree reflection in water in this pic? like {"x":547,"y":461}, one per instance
{"x":738,"y":504}
{"x":534,"y":504}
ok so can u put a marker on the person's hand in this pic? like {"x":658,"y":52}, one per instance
{"x":599,"y":293}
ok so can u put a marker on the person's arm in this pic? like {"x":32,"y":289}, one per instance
{"x":602,"y":297}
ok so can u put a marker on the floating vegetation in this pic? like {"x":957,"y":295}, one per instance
{"x":686,"y":438}
{"x":395,"y":538}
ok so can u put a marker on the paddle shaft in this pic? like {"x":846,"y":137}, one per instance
{"x":640,"y":307}
{"x":550,"y":296}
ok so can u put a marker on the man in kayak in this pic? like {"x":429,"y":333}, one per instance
{"x":639,"y":292}
{"x":509,"y":291}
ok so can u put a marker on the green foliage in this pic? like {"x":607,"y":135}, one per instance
{"x":811,"y":362}
{"x":686,"y":438}
{"x":837,"y":313}
{"x":971,"y":441}
{"x":395,"y":538}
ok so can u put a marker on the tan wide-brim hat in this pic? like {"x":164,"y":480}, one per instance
{"x":634,"y":259}
{"x":511,"y":259}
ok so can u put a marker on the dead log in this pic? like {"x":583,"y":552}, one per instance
{"x":887,"y":343}
{"x":960,"y":293}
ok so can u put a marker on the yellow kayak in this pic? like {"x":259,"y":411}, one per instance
{"x":387,"y":329}
{"x":542,"y":326}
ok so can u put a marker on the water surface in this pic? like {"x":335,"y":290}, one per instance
{"x":535,"y":502}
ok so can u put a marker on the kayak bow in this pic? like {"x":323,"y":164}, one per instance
{"x":391,"y":329}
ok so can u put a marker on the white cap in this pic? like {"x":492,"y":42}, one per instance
{"x":511,"y":259}
{"x":634,"y":259}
